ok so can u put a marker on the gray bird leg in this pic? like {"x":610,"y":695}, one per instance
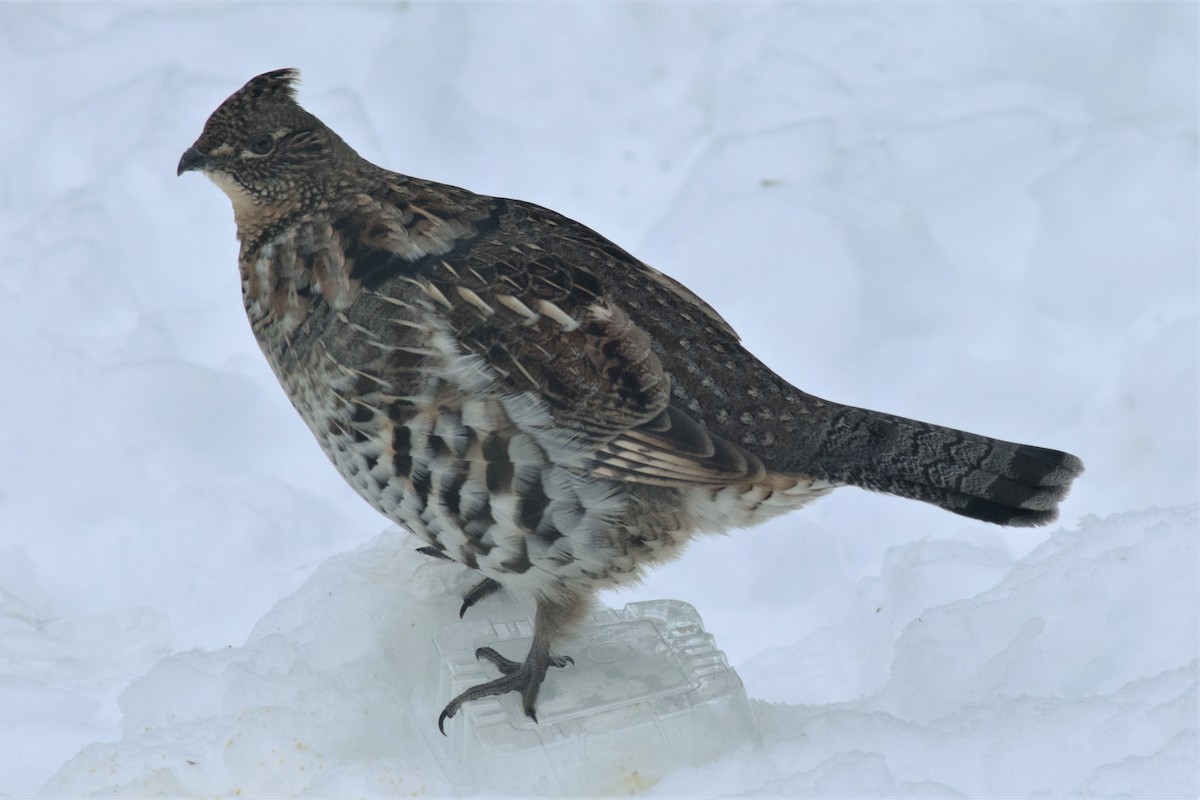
{"x":526,"y":676}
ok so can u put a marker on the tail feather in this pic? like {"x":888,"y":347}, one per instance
{"x":968,"y":474}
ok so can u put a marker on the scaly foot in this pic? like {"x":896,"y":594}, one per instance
{"x":525,"y":677}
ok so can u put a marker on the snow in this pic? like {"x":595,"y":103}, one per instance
{"x":983,"y":215}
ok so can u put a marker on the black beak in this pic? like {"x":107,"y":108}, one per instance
{"x":192,"y":159}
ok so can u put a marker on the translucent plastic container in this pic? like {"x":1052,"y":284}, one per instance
{"x":649,"y":691}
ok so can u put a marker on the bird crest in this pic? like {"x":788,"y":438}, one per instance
{"x":279,"y":83}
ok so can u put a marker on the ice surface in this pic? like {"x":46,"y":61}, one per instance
{"x":980,"y":214}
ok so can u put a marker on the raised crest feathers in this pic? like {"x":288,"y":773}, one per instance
{"x":278,"y":82}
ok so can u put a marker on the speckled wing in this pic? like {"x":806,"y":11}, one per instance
{"x":517,"y":285}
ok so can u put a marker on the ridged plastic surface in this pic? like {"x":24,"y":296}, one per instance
{"x":648,"y":690}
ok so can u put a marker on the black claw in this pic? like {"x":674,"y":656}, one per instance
{"x":477,"y":592}
{"x":429,"y":550}
{"x":442,"y":720}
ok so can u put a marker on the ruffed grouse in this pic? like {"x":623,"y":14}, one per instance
{"x":529,"y":399}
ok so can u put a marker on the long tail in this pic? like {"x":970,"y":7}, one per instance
{"x":972,"y":475}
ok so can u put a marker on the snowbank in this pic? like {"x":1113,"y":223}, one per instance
{"x":1065,"y":676}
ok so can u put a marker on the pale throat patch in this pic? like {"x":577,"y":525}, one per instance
{"x":243,"y":203}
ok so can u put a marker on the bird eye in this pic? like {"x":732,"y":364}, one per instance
{"x":262,"y":145}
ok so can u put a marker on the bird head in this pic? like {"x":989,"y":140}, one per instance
{"x":269,"y":155}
